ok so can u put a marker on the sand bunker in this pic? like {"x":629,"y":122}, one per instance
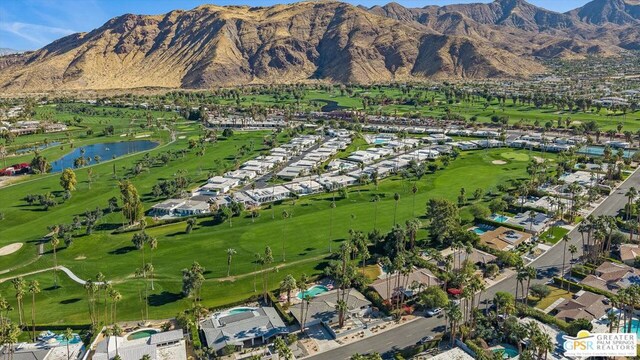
{"x":80,"y":257}
{"x":10,"y":249}
{"x":499,"y":162}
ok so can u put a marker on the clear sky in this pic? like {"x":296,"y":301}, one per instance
{"x":31,"y":24}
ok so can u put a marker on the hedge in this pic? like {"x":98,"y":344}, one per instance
{"x":285,"y":315}
{"x":376,"y":300}
{"x":542,"y":317}
{"x":577,"y":286}
{"x":195,"y":337}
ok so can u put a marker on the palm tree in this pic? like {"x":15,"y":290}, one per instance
{"x":375,"y":200}
{"x":230,"y":253}
{"x":285,"y":216}
{"x":414,"y":190}
{"x":33,"y":288}
{"x":531,"y":274}
{"x":565,"y":240}
{"x":332,"y":207}
{"x":54,"y":244}
{"x":68,"y":335}
{"x":115,"y":299}
{"x":631,"y":194}
{"x":454,"y":316}
{"x":303,"y":283}
{"x":396,"y":197}
{"x":19,"y":286}
{"x":572,"y":250}
{"x":149,"y":270}
{"x":287,"y":285}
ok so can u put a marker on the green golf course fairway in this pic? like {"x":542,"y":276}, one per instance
{"x":305,"y":234}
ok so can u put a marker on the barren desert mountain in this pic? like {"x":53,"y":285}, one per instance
{"x":213,"y":46}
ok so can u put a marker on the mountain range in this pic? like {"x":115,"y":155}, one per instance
{"x":211,"y":46}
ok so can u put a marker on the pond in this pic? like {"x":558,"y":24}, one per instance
{"x":106,"y":151}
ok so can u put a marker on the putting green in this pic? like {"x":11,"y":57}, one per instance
{"x":515,"y":156}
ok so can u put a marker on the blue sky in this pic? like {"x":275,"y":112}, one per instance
{"x":31,"y":24}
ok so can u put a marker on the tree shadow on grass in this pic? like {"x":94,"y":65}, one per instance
{"x":123,"y":250}
{"x":107,"y":227}
{"x":164,"y":298}
{"x":52,"y":288}
{"x":178,"y":233}
{"x":70,"y":301}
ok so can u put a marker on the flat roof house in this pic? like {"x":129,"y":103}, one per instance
{"x":504,"y":239}
{"x":167,"y":207}
{"x":249,"y":328}
{"x":163,"y":345}
{"x":270,"y":194}
{"x":192,"y":207}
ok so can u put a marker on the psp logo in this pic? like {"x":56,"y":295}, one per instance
{"x":586,"y":344}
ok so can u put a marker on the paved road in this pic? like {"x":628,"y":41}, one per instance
{"x":549,"y":265}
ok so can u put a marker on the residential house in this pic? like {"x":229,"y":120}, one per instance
{"x":583,"y":305}
{"x":394,"y":285}
{"x":162,"y":345}
{"x":322,"y":308}
{"x":256,"y":326}
{"x":629,"y":253}
{"x":504,"y":239}
{"x":612,"y":277}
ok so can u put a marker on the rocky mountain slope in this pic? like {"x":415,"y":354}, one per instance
{"x":213,"y":46}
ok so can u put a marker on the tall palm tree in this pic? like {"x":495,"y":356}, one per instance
{"x":396,"y":197}
{"x":68,"y":336}
{"x":531,"y":273}
{"x":115,"y":299}
{"x":19,"y":286}
{"x":54,"y":244}
{"x":375,"y":200}
{"x":414,"y":191}
{"x":332,"y":207}
{"x":631,"y":194}
{"x":303,"y":283}
{"x":565,"y":240}
{"x":33,"y":288}
{"x":288,"y":284}
{"x":285,"y":216}
{"x":230,"y":253}
{"x":454,"y":316}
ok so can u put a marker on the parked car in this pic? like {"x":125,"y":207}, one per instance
{"x":434,"y":312}
{"x":424,"y":340}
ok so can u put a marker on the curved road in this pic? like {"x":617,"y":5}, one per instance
{"x":548,"y":265}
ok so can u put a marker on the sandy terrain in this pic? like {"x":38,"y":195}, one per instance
{"x":498,"y":162}
{"x":10,"y":249}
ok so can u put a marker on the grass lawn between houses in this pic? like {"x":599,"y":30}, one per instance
{"x":556,"y":293}
{"x":554,"y":234}
{"x":305,"y":234}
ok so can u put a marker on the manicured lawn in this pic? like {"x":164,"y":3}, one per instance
{"x":554,"y":234}
{"x":372,"y":272}
{"x":556,"y":293}
{"x":515,"y":156}
{"x":305,"y":234}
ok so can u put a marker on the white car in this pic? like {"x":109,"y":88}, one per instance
{"x":434,"y":312}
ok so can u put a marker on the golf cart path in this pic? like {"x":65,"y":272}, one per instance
{"x":65,"y":270}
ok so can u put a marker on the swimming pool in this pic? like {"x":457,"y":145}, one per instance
{"x":313,"y":291}
{"x":74,"y":340}
{"x":479,"y":231}
{"x":379,"y":141}
{"x":499,"y":218}
{"x":635,"y":326}
{"x":141,"y":334}
{"x":508,"y":351}
{"x":239,"y":310}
